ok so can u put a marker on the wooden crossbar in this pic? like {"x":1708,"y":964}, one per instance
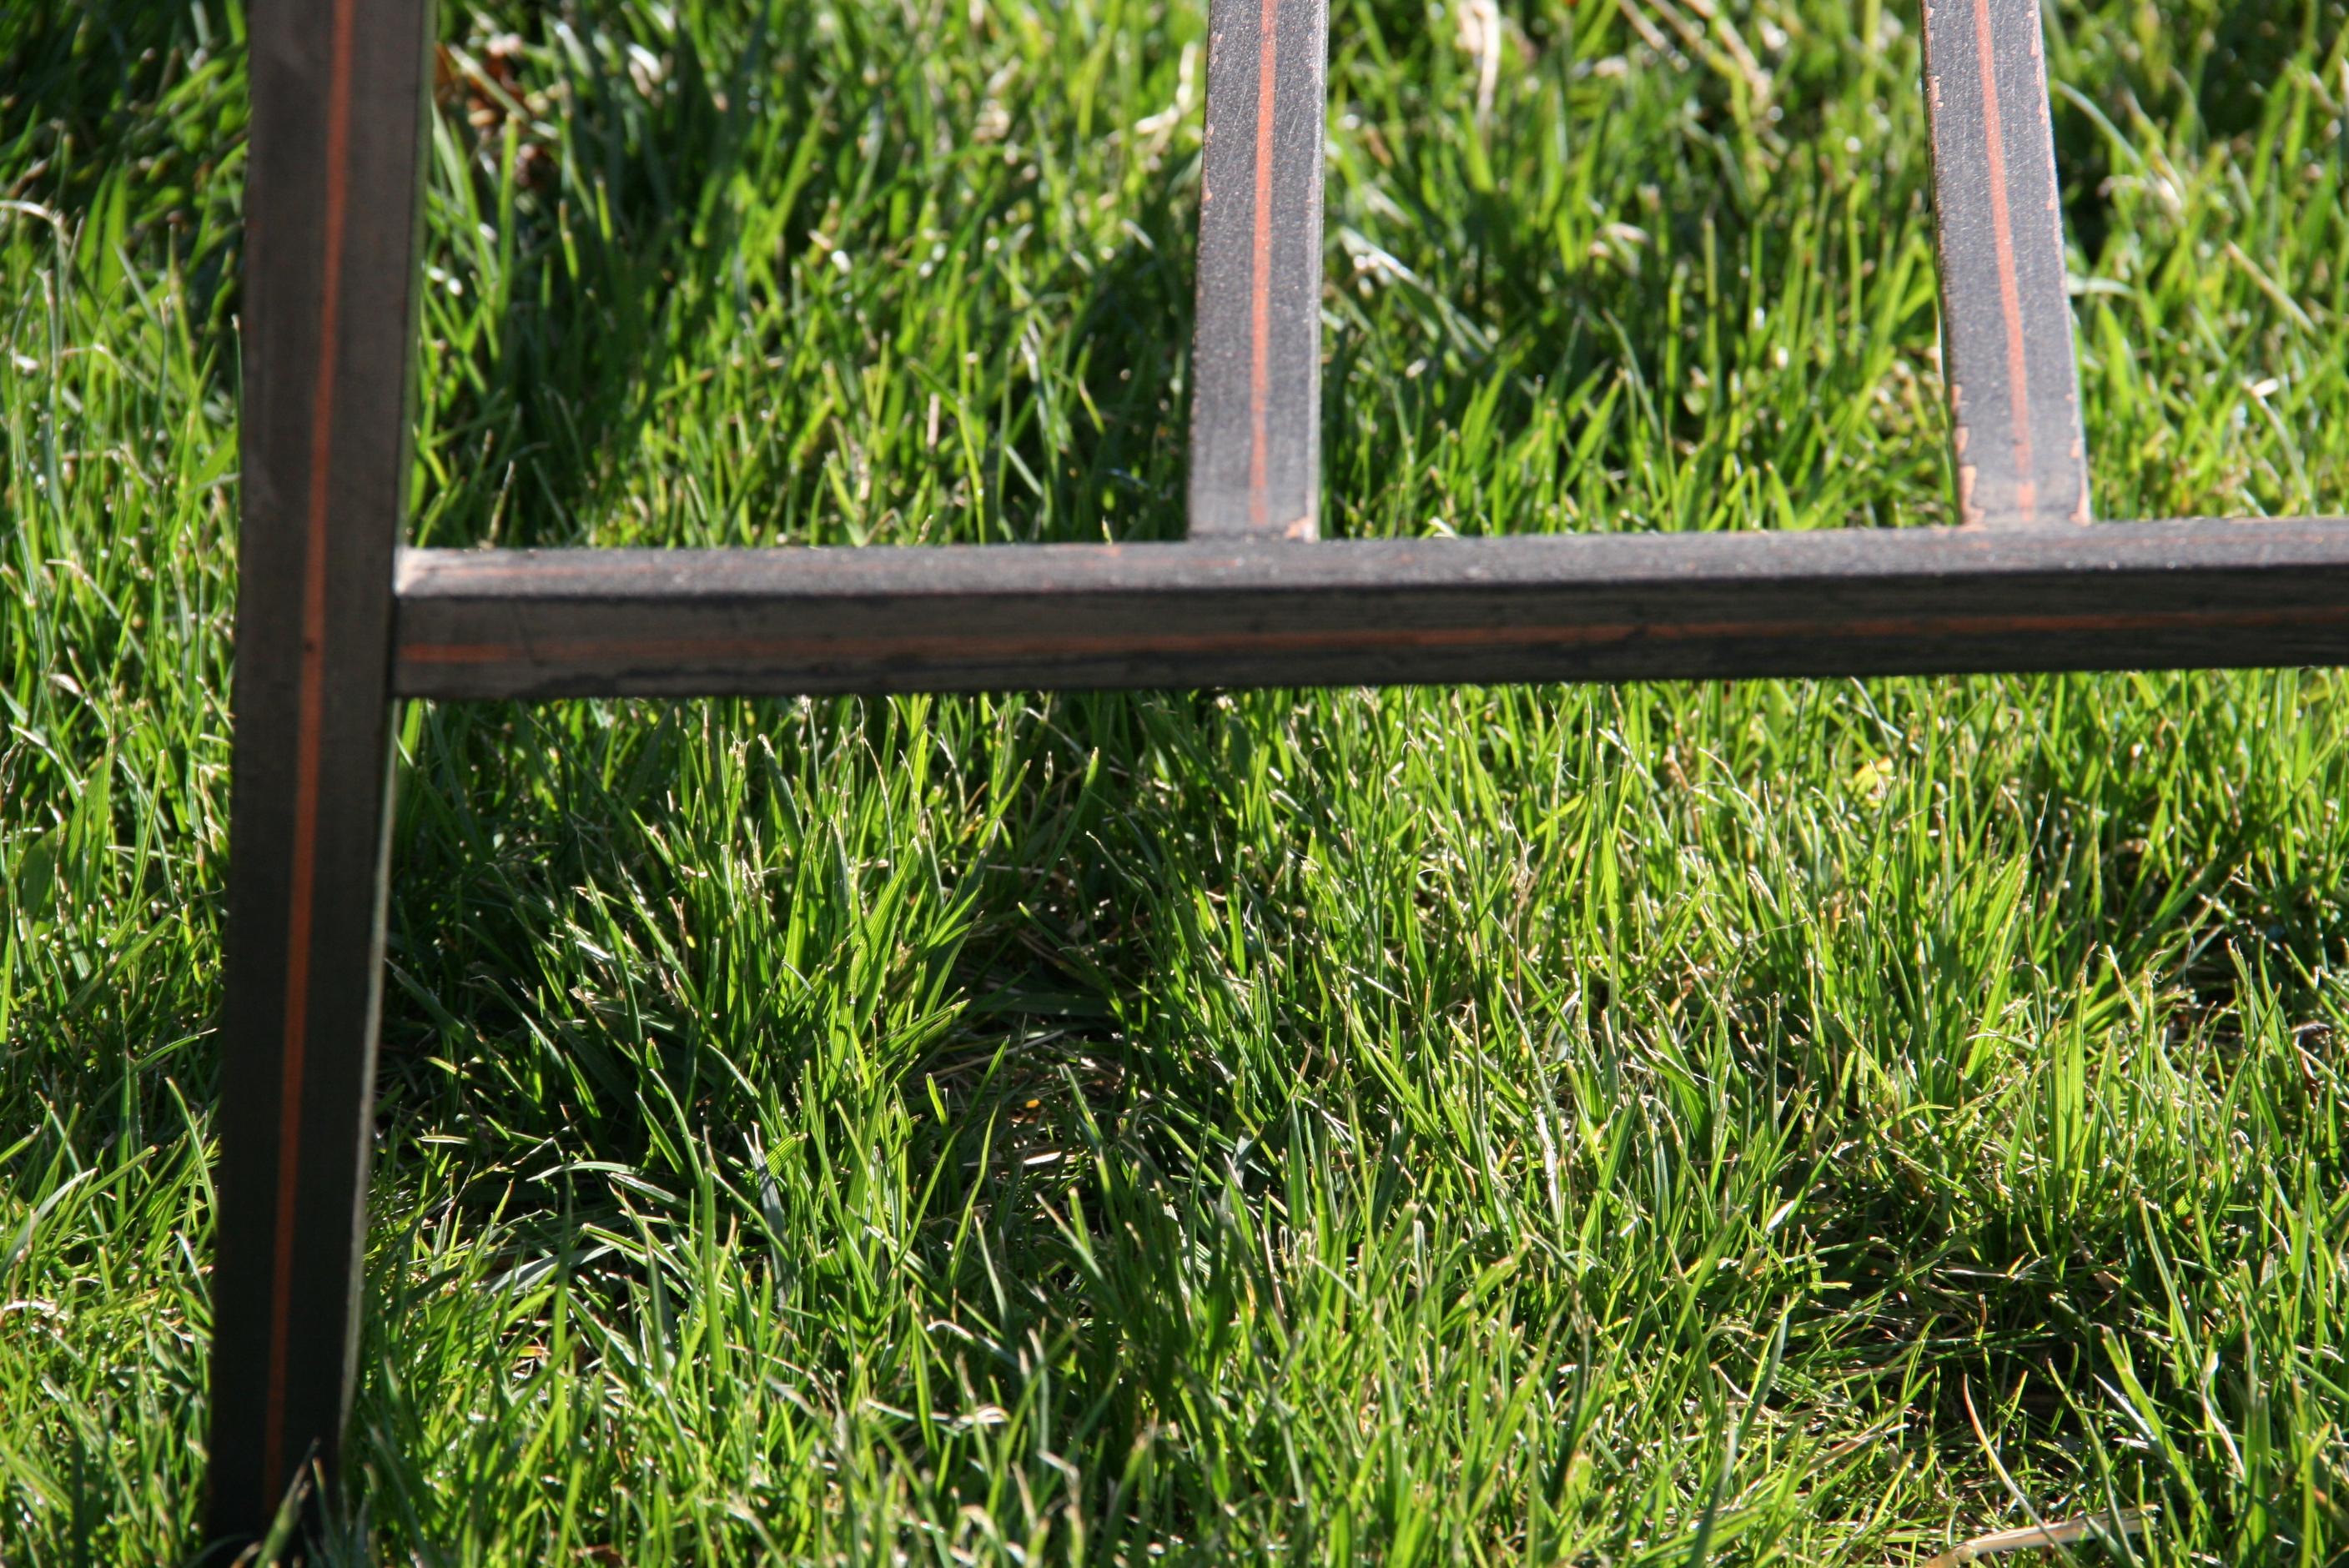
{"x":1563,"y":607}
{"x":335,"y":625}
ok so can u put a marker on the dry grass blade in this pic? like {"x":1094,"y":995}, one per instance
{"x":2064,"y":1532}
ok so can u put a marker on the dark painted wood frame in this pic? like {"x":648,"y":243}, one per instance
{"x":335,"y":625}
{"x":331,"y":202}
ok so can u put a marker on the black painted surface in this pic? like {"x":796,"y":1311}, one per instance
{"x":2006,"y":317}
{"x":1256,"y":364}
{"x":1563,"y":607}
{"x":331,"y":203}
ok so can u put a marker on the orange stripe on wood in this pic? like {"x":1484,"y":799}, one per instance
{"x":2010,"y":288}
{"x":1261,"y":280}
{"x":309,"y":724}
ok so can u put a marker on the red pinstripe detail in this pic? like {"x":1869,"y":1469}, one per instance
{"x":1260,"y":283}
{"x":2009,"y":292}
{"x":1353,"y":639}
{"x":310,"y":721}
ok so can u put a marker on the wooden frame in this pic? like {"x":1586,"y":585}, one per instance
{"x":332,"y":194}
{"x":655,"y":622}
{"x":335,"y":625}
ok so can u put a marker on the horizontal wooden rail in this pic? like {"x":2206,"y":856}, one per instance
{"x":1603,"y":607}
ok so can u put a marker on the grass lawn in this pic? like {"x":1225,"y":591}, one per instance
{"x":1795,"y":1121}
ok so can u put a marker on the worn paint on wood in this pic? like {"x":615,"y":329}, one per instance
{"x":1255,"y":365}
{"x":330,"y":264}
{"x":2006,"y":319}
{"x":1563,"y":607}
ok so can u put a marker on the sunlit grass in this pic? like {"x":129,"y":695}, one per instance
{"x":1790,"y":1121}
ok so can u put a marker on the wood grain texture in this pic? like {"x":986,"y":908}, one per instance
{"x":2006,"y":319}
{"x":1604,"y":607}
{"x":329,"y":297}
{"x":1256,"y":363}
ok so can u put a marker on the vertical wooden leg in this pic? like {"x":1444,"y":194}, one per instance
{"x":2006,"y":318}
{"x":332,"y":203}
{"x":1256,"y":363}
